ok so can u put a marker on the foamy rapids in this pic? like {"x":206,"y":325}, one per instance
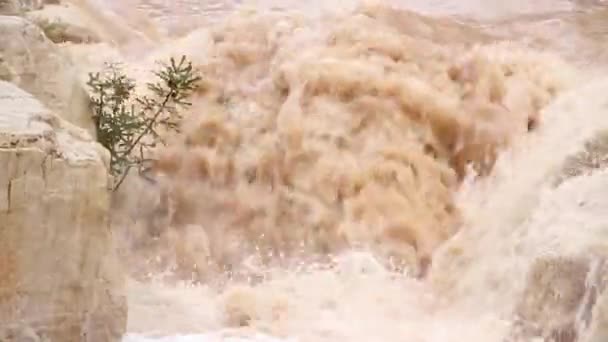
{"x":367,"y":174}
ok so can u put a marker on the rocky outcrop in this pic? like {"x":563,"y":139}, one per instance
{"x":14,"y":7}
{"x":598,"y":329}
{"x":9,"y":7}
{"x":64,"y":23}
{"x":59,"y":277}
{"x":592,"y":158}
{"x":35,"y":64}
{"x":565,"y":300}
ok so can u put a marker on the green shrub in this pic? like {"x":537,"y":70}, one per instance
{"x":128,"y":125}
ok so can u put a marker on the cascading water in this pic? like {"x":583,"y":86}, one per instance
{"x":345,"y":129}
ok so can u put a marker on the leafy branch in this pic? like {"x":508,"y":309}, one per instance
{"x":128,"y":126}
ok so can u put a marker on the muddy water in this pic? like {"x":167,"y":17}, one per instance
{"x":299,"y":79}
{"x":575,"y":28}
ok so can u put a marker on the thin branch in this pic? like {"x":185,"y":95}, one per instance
{"x":122,"y":178}
{"x":150,"y":124}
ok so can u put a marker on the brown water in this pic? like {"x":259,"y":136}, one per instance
{"x":320,"y":189}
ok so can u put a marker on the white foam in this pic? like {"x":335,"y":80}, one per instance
{"x":210,"y":337}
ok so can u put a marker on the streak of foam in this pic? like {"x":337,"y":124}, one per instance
{"x":213,"y":337}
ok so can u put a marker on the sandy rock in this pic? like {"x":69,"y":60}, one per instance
{"x":63,"y":23}
{"x":598,"y":331}
{"x":594,"y":157}
{"x":32,"y":62}
{"x":15,"y":7}
{"x":59,"y":276}
{"x":9,"y":7}
{"x":560,"y":302}
{"x":31,"y":5}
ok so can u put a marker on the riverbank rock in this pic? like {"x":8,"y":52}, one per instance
{"x":16,"y":7}
{"x":564,"y":300}
{"x":598,"y":330}
{"x":9,"y":7}
{"x":32,"y":62}
{"x":60,"y":279}
{"x":64,"y":23}
{"x":592,"y":158}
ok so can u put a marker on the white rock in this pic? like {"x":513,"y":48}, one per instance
{"x":59,"y":277}
{"x":35,"y":64}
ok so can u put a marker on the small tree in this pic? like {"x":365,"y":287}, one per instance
{"x":128,"y":126}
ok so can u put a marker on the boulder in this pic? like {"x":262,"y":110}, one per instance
{"x":31,"y":5}
{"x":35,"y":64}
{"x":64,"y":23}
{"x":15,"y":7}
{"x":564,"y":299}
{"x":593,"y":157}
{"x":598,"y":330}
{"x":9,"y":7}
{"x":60,"y":279}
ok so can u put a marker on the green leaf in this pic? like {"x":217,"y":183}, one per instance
{"x":123,"y":128}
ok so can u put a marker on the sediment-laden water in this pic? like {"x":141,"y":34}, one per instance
{"x":321,"y":189}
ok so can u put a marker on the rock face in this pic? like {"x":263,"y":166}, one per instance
{"x":35,"y":64}
{"x":593,"y":157}
{"x":565,"y":299}
{"x":598,"y":330}
{"x":64,"y":24}
{"x":59,"y":276}
{"x":9,"y":7}
{"x":14,"y":7}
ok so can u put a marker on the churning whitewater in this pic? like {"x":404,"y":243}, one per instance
{"x":370,"y":172}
